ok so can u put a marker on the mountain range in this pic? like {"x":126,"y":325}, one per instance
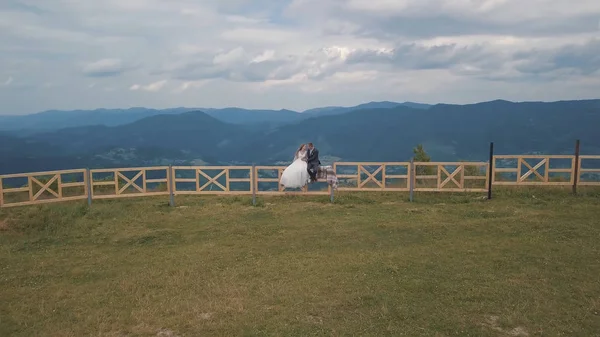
{"x":376,"y":131}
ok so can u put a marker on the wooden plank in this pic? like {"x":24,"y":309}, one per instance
{"x":541,"y":156}
{"x":16,"y":189}
{"x":589,"y":183}
{"x":456,"y":163}
{"x":240,"y":180}
{"x":366,"y":163}
{"x":129,"y":195}
{"x":557,"y":170}
{"x":129,"y":169}
{"x":393,"y":176}
{"x":475,"y":178}
{"x":154,"y":181}
{"x":103,"y":183}
{"x":67,"y":185}
{"x":116,"y":178}
{"x":267,"y":180}
{"x":533,"y":183}
{"x":374,"y":189}
{"x":346,"y":176}
{"x":466,"y":190}
{"x":192,"y":168}
{"x":30,"y":185}
{"x":293,"y":193}
{"x":42,"y":173}
{"x":227,"y":179}
{"x":185,"y":180}
{"x":268,"y":168}
{"x":425,"y":177}
{"x":44,"y":201}
{"x":59,"y":188}
{"x":507,"y":170}
{"x":488,"y":167}
{"x":144,"y":187}
{"x":493,"y":167}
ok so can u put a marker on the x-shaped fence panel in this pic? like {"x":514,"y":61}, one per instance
{"x":374,"y":176}
{"x":129,"y":182}
{"x":212,"y":179}
{"x":451,"y":177}
{"x":533,"y":170}
{"x":42,"y":187}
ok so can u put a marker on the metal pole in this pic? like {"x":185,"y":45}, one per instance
{"x":576,"y":167}
{"x":331,"y":193}
{"x":253,"y":184}
{"x":88,"y":184}
{"x":411,"y":177}
{"x":490,"y":171}
{"x":171,"y":185}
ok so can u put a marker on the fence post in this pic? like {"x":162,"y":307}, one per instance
{"x":253,"y":184}
{"x":1,"y":193}
{"x":490,"y":171}
{"x":576,"y":167}
{"x":331,"y":193}
{"x":411,"y":178}
{"x":171,"y":185}
{"x":89,"y":186}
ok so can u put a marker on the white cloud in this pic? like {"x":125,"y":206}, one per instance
{"x":152,"y":87}
{"x":296,"y":54}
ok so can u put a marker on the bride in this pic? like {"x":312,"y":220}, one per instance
{"x":296,"y":175}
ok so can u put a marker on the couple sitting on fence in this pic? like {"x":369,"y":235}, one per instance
{"x":306,"y":169}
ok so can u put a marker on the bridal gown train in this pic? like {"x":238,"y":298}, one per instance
{"x":295,"y":175}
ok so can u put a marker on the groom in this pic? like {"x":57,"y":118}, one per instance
{"x":312,"y":162}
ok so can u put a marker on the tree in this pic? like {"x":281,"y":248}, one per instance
{"x":422,"y":157}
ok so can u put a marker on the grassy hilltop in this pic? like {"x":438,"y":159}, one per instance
{"x":524,"y":264}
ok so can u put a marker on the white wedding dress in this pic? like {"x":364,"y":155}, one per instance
{"x":296,"y":175}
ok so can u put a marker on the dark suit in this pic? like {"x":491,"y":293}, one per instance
{"x":313,"y":163}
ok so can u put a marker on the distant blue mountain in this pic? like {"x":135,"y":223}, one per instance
{"x":337,"y":110}
{"x":57,"y":119}
{"x":448,"y":132}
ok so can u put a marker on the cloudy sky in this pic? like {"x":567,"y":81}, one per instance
{"x":296,"y":54}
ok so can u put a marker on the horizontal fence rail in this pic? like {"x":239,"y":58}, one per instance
{"x":509,"y":170}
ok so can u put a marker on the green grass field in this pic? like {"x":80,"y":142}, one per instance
{"x":524,"y":264}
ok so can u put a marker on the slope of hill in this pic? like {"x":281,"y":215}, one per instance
{"x":191,"y":132}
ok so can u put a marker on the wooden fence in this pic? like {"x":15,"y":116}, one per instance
{"x":53,"y":186}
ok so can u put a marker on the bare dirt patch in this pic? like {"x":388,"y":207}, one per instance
{"x":492,"y":323}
